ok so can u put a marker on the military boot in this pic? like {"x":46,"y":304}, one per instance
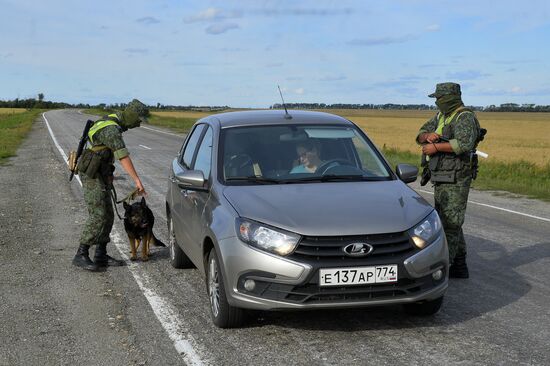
{"x":459,"y":269}
{"x":82,"y":259}
{"x":103,"y":260}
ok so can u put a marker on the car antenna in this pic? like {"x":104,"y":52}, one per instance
{"x":287,"y":115}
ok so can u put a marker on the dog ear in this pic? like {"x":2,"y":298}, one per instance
{"x":143,"y":201}
{"x":125,"y":205}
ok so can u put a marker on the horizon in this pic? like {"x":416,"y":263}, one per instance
{"x":235,"y":53}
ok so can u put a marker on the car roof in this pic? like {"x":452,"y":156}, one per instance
{"x":274,"y":117}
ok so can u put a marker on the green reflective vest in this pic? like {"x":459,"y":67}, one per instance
{"x":102,"y":123}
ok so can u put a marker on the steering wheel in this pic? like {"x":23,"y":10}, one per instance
{"x":325,"y":166}
{"x":238,"y":162}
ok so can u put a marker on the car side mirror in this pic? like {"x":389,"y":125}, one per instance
{"x":406,"y":172}
{"x":190,"y":179}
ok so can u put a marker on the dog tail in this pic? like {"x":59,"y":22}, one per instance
{"x":157,"y":242}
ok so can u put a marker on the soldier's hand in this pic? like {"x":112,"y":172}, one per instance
{"x":141,"y":190}
{"x":429,"y":149}
{"x":432,"y":137}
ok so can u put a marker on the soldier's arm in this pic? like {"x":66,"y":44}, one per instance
{"x":128,"y":166}
{"x":428,"y":128}
{"x":465,"y":133}
{"x":112,"y":138}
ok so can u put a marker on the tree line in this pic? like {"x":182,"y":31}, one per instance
{"x":506,"y":107}
{"x":39,"y":102}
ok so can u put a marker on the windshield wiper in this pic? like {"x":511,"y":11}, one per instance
{"x":253,"y":179}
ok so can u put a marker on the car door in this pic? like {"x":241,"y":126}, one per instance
{"x":180,"y":204}
{"x":198,"y":198}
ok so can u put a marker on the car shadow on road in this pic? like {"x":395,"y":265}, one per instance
{"x":494,"y":283}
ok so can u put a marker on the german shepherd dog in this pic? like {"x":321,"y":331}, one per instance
{"x":138,"y":222}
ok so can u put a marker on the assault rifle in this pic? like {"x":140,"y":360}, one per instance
{"x":75,"y":155}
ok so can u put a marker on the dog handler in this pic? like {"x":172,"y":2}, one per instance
{"x":96,"y":167}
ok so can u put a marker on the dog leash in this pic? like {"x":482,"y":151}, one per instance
{"x":130,"y":197}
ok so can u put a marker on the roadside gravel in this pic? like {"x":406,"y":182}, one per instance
{"x":51,"y":313}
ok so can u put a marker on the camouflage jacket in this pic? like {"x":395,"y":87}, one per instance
{"x":111,"y":136}
{"x":464,"y":131}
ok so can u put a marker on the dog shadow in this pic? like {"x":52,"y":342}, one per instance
{"x":493,"y":284}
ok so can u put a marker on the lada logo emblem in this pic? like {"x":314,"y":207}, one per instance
{"x":358,"y":249}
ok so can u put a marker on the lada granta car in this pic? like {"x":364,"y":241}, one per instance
{"x":300,"y":211}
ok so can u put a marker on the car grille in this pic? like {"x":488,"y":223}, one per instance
{"x":332,"y":247}
{"x":311,"y":293}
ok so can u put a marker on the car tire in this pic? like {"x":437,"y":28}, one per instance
{"x":424,"y":308}
{"x":178,"y":258}
{"x":223,"y":314}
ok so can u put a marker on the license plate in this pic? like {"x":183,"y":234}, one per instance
{"x":357,"y":275}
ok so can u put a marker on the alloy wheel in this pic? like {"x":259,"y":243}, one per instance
{"x":172,"y":242}
{"x":214,"y":287}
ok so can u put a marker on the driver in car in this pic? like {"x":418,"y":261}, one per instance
{"x":308,"y":156}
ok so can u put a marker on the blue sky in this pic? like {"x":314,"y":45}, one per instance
{"x":236,"y":52}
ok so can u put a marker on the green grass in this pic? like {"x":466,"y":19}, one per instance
{"x":520,"y":177}
{"x":13,"y":129}
{"x":182,"y":125}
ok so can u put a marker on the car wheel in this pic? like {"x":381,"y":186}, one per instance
{"x":223,"y":314}
{"x":178,"y":258}
{"x":424,"y":308}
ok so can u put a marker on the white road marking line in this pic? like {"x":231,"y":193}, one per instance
{"x":145,"y":147}
{"x":65,"y":157}
{"x":159,"y":131}
{"x":500,"y":208}
{"x":165,"y":312}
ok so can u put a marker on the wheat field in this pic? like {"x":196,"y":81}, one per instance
{"x":4,"y":111}
{"x":511,"y":136}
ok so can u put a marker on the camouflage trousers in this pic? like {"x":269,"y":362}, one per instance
{"x":100,"y":212}
{"x":450,"y":203}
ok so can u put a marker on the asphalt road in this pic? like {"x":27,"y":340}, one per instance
{"x":150,"y":313}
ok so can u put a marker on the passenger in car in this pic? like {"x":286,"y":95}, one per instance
{"x":308,"y":156}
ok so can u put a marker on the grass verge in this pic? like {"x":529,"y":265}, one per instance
{"x":13,"y":129}
{"x":178,"y":124}
{"x":519,"y":177}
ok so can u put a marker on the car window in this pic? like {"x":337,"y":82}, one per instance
{"x":189,"y":151}
{"x":369,"y":161}
{"x":203,"y":161}
{"x":286,"y":154}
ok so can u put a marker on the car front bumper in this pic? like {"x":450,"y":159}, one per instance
{"x":281,"y":283}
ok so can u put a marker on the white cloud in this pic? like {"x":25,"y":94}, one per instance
{"x":383,"y":40}
{"x":212,"y":15}
{"x":433,"y":28}
{"x":221,"y":28}
{"x":148,"y":20}
{"x":299,"y":91}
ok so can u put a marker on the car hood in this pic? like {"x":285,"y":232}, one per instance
{"x":331,"y":209}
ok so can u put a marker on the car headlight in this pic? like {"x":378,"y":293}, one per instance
{"x":272,"y":240}
{"x":426,"y":231}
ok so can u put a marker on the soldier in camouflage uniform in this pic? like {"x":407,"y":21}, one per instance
{"x":450,"y":166}
{"x":106,"y":144}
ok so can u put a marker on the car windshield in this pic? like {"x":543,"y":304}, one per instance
{"x":297,"y":154}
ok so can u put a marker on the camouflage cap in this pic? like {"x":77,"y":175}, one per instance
{"x":139,"y":108}
{"x":129,"y":119}
{"x":442,"y":89}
